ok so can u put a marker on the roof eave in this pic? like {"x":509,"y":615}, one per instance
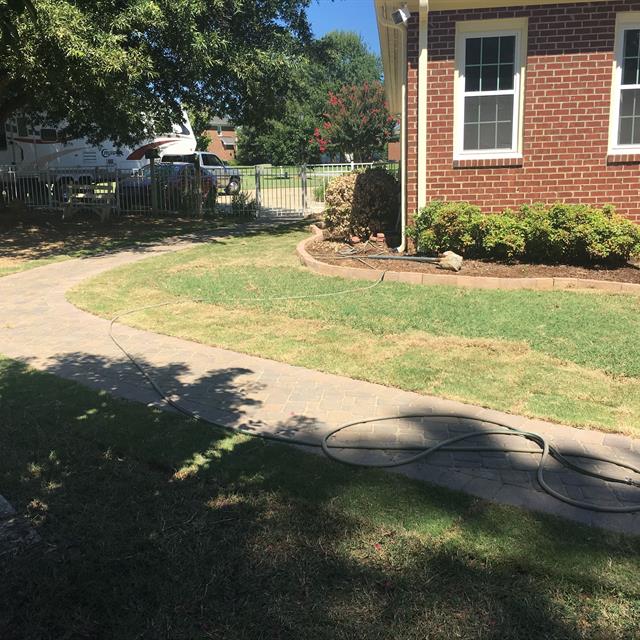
{"x":391,"y":48}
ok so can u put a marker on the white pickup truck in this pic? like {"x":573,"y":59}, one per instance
{"x":228,"y":177}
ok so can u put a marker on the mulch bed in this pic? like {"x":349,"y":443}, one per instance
{"x":329,"y":251}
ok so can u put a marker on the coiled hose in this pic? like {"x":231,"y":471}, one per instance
{"x":326,"y":444}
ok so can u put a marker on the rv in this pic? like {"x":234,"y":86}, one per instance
{"x":30,"y":147}
{"x":38,"y":162}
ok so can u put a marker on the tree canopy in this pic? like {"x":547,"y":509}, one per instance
{"x":339,"y":58}
{"x":356,"y":121}
{"x":123,"y":69}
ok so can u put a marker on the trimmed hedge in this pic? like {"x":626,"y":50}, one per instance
{"x":361,"y":203}
{"x":559,"y":233}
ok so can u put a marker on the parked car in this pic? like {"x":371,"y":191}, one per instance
{"x":175,"y":184}
{"x":228,"y":177}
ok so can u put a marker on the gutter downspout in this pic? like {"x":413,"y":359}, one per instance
{"x":423,"y":41}
{"x":403,"y":130}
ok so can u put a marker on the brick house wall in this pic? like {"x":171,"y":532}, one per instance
{"x":216,"y":145}
{"x":393,"y":151}
{"x":566,"y":113}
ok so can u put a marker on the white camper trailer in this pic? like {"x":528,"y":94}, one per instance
{"x":39,"y":166}
{"x":28,"y":146}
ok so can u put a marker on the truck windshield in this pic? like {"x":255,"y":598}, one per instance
{"x":177,"y":158}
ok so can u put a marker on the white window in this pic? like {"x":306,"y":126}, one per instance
{"x":490,"y":57}
{"x":624,"y":136}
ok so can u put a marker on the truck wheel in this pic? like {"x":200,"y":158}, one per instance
{"x":233,"y":187}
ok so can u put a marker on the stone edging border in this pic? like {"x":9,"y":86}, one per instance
{"x":471,"y":282}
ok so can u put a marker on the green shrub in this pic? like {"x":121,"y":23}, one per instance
{"x":447,"y":226}
{"x":545,"y":241}
{"x":361,"y":203}
{"x":242,"y":204}
{"x":503,"y":237}
{"x":319,"y":191}
{"x":578,"y":234}
{"x":569,"y":233}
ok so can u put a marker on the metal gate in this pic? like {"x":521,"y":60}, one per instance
{"x":265,"y":191}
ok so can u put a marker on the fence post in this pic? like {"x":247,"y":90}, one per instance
{"x":303,"y":179}
{"x":258,"y":195}
{"x":49,"y":184}
{"x":116,"y":191}
{"x":154,"y":185}
{"x":198,"y":176}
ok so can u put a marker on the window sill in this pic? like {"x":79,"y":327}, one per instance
{"x":480,"y":163}
{"x":623,"y":158}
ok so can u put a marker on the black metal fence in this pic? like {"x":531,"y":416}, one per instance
{"x":178,"y":188}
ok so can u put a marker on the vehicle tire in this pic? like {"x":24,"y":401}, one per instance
{"x":233,"y":187}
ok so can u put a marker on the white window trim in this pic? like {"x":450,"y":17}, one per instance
{"x":517,"y":27}
{"x":624,"y":21}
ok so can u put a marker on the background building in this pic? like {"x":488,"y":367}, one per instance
{"x":223,"y":138}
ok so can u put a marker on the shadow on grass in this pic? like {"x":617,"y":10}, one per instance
{"x":42,"y":236}
{"x":155,"y":526}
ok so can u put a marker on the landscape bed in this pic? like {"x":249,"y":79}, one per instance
{"x":329,"y":251}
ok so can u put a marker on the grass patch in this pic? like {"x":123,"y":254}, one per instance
{"x":10,"y":265}
{"x":563,"y":356}
{"x":154,"y":526}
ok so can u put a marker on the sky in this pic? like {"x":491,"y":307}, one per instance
{"x":345,"y":15}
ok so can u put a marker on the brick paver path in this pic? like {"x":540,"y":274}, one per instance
{"x":38,"y":326}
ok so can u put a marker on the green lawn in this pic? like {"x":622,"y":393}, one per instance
{"x":16,"y":266}
{"x":566,"y":356}
{"x":288,"y":177}
{"x":157,"y":527}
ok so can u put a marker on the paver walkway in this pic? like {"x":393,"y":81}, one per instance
{"x":38,"y":326}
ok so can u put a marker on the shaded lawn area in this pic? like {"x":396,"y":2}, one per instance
{"x":154,"y":526}
{"x":41,"y":238}
{"x":565,"y":356}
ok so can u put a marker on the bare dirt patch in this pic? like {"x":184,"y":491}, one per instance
{"x":333,"y":252}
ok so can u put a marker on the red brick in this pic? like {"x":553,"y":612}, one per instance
{"x":566,"y":119}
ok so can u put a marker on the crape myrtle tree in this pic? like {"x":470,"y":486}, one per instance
{"x":356,"y":123}
{"x":124,"y":69}
{"x":339,"y":58}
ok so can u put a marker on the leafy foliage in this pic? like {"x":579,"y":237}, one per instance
{"x":575,"y":234}
{"x":579,"y":233}
{"x":337,"y":59}
{"x":361,"y":203}
{"x":356,"y":122}
{"x":502,"y":237}
{"x":242,"y":204}
{"x":281,"y":140}
{"x":121,"y":70}
{"x":447,"y":226}
{"x":199,"y":120}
